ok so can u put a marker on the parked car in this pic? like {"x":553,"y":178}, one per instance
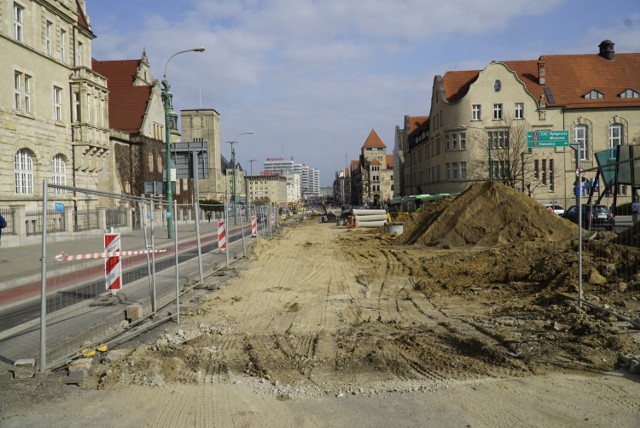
{"x":596,"y":216}
{"x":556,"y":208}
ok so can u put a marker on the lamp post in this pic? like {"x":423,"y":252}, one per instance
{"x":233,"y":175}
{"x":489,"y":144}
{"x":166,"y":96}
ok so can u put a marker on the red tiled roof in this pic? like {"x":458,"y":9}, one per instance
{"x":389,"y":161}
{"x":414,"y":122}
{"x":127,"y":103}
{"x":373,"y":141}
{"x":354,"y":165}
{"x":568,"y":78}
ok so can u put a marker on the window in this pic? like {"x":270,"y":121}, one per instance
{"x":497,"y":111}
{"x":593,"y":94}
{"x":48,"y":29}
{"x":544,"y":172}
{"x":551,"y":181}
{"x":59,"y":170}
{"x":630,"y":93}
{"x":18,"y":20}
{"x":476,"y":112}
{"x":80,"y":55}
{"x":17,"y":88}
{"x":63,"y":45}
{"x":580,"y":138}
{"x":77,"y":107}
{"x":27,"y":93}
{"x":615,"y":135}
{"x":463,"y":141}
{"x":519,"y":111}
{"x":536,"y":169}
{"x":22,"y":91}
{"x":23,"y":172}
{"x":57,"y":104}
{"x":88,"y":118}
{"x":454,"y":141}
{"x":498,"y":139}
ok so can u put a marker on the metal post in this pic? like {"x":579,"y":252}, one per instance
{"x":167,"y":111}
{"x":167,"y":166}
{"x":154,"y":306}
{"x":43,"y":283}
{"x":177,"y":260}
{"x":578,"y":189}
{"x":226,"y":234}
{"x":196,"y":204}
{"x":233,"y":185}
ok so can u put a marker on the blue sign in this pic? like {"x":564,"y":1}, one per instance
{"x":168,"y":214}
{"x":59,"y":207}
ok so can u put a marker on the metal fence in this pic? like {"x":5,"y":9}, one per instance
{"x":74,"y":294}
{"x":9,"y":216}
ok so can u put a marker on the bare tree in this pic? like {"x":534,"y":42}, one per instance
{"x":505,"y":156}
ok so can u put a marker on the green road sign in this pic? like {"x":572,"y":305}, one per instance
{"x":541,"y":139}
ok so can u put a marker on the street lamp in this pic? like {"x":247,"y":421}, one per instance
{"x":233,"y":175}
{"x":167,"y":99}
{"x":489,"y":144}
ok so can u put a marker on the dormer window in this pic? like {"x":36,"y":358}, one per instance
{"x":593,"y":95}
{"x":630,"y":93}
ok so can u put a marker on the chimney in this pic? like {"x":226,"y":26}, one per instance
{"x":606,"y":50}
{"x":541,"y":73}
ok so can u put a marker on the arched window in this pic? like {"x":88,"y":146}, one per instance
{"x":23,"y":170}
{"x":615,"y":135}
{"x":580,"y":138}
{"x":59,"y":172}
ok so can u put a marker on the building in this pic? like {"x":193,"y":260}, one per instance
{"x":309,"y":177}
{"x":479,"y":120}
{"x":203,"y":125}
{"x":406,"y":157}
{"x":54,"y":121}
{"x":372,"y":180}
{"x":137,"y":125}
{"x":268,"y":189}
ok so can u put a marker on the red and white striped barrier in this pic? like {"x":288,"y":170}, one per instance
{"x":254,"y":226}
{"x":63,"y":257}
{"x":222,"y":238}
{"x":112,"y":265}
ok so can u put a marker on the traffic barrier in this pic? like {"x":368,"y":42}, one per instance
{"x":222,"y":238}
{"x":112,"y":265}
{"x":254,"y":226}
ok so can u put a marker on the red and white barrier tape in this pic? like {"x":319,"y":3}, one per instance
{"x":62,"y":257}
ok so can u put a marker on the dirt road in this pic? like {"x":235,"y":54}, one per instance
{"x":329,"y":326}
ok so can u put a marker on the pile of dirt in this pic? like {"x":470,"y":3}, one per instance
{"x":486,"y":214}
{"x":630,"y":237}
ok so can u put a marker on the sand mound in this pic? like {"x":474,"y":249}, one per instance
{"x":486,"y":214}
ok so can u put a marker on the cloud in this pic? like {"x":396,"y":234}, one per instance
{"x":313,"y":77}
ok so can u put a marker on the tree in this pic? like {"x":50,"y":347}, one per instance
{"x":505,"y":147}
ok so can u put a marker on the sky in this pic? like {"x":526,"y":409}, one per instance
{"x":312,"y":78}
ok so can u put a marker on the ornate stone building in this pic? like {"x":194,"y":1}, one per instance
{"x":54,"y":121}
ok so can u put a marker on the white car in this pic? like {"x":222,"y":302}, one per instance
{"x":556,"y":208}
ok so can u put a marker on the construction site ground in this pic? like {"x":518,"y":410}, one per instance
{"x":469,"y":318}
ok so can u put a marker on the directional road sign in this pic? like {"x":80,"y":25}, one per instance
{"x":542,"y":139}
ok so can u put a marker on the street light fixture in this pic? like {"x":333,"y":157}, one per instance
{"x":233,"y":175}
{"x":167,"y":99}
{"x":489,"y":144}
